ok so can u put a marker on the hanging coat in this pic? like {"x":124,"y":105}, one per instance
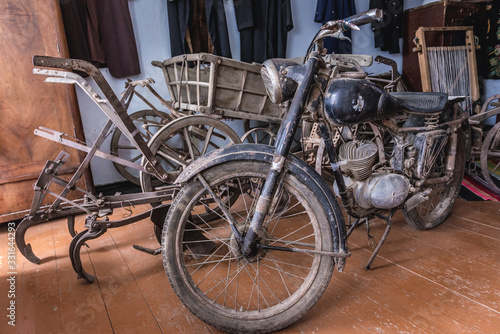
{"x":264,"y":27}
{"x":244,"y":21}
{"x":217,"y":26}
{"x":388,"y":31}
{"x":118,"y":38}
{"x":328,"y":10}
{"x":178,"y":18}
{"x":101,"y":32}
{"x":75,"y":27}
{"x":183,"y":17}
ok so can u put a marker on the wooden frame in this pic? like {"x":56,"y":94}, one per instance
{"x":423,"y":58}
{"x":219,"y":86}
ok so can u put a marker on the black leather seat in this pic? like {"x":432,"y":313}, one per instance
{"x":421,"y":102}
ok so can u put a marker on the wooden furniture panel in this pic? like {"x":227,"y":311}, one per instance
{"x":29,"y":27}
{"x":437,"y":14}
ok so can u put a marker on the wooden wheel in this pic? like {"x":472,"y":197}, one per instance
{"x":148,"y":122}
{"x":184,"y":140}
{"x":490,"y":152}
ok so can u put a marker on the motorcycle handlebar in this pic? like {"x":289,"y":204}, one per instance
{"x":354,"y":21}
{"x":369,"y":16}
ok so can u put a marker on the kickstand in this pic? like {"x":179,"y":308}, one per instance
{"x":146,"y":250}
{"x":388,"y":219}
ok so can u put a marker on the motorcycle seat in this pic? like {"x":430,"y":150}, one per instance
{"x":425,"y":103}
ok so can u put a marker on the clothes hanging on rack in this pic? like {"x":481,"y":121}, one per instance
{"x":101,"y":32}
{"x":178,"y":18}
{"x":263,"y":27}
{"x":328,"y":10}
{"x":75,"y":27}
{"x":198,"y":37}
{"x":117,"y":33}
{"x":217,"y":26}
{"x":388,"y":31}
{"x":198,"y":26}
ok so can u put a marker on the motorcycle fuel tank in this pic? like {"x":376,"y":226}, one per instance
{"x":352,"y":101}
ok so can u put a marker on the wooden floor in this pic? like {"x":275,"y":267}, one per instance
{"x":446,"y":280}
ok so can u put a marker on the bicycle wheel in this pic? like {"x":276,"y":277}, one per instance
{"x":434,"y":211}
{"x":216,"y":282}
{"x":121,"y":147}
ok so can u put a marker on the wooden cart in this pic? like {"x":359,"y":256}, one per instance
{"x":216,"y":87}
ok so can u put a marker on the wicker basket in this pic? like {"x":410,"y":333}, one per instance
{"x":211,"y":84}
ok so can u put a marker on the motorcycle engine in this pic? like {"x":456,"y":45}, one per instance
{"x":370,"y":190}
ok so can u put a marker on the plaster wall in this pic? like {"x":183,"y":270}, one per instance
{"x":150,"y":21}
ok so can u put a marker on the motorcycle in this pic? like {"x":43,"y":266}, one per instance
{"x":251,"y":240}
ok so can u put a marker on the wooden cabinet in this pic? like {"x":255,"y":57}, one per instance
{"x":27,"y":28}
{"x":436,"y":14}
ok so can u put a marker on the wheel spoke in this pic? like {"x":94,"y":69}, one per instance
{"x":189,"y":144}
{"x":170,"y":156}
{"x":126,"y":147}
{"x":209,"y":260}
{"x":495,"y":169}
{"x":208,"y":138}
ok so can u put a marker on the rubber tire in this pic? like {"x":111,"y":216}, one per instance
{"x":413,"y":218}
{"x":173,"y":261}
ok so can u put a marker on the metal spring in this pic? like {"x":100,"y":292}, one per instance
{"x":432,"y":121}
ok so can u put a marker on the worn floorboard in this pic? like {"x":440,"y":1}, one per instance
{"x":443,"y":280}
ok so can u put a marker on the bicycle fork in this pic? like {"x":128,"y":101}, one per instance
{"x":282,"y":147}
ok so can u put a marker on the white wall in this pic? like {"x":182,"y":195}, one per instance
{"x":149,"y":18}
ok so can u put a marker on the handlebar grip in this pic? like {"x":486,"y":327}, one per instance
{"x":372,"y":15}
{"x":66,"y":64}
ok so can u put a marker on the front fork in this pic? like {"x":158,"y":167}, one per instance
{"x":282,"y":146}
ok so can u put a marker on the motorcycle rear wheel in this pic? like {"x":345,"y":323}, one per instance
{"x":217,"y":283}
{"x":434,"y":211}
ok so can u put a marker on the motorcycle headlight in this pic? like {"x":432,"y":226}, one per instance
{"x":279,"y":88}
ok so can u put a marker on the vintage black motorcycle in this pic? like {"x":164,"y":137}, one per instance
{"x":252,"y":239}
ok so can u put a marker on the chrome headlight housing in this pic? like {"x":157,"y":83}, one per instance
{"x":279,"y":87}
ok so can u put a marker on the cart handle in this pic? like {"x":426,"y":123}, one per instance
{"x":86,"y":67}
{"x":152,"y":165}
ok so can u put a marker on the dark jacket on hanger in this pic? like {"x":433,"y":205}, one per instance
{"x":263,"y":26}
{"x":217,"y":26}
{"x":328,"y":10}
{"x":390,"y":29}
{"x":75,"y":27}
{"x":244,"y":20}
{"x":118,"y":38}
{"x":180,"y":19}
{"x":101,"y":32}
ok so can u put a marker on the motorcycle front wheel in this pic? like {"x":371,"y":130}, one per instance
{"x":227,"y":290}
{"x":436,"y":209}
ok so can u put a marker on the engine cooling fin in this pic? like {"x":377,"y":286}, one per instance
{"x":360,"y":157}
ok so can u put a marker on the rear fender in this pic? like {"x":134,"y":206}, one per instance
{"x":295,"y":166}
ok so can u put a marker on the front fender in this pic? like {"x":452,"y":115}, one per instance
{"x":295,"y":166}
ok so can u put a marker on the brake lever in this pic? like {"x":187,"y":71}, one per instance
{"x":336,"y":29}
{"x":335,"y":24}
